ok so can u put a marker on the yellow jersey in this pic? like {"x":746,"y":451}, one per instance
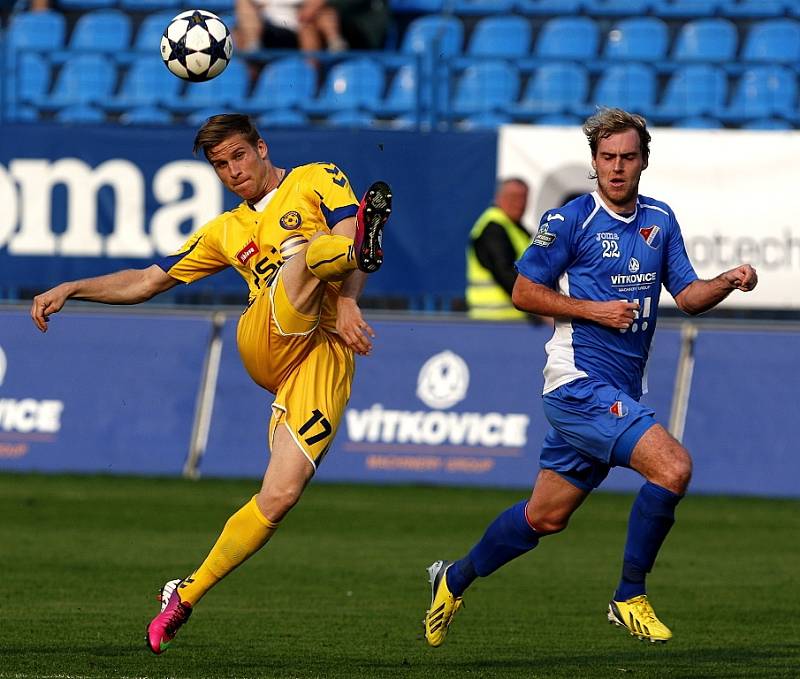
{"x":309,"y":198}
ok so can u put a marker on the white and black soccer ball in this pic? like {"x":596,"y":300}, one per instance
{"x":196,"y":45}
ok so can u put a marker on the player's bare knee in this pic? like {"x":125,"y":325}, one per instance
{"x":677,"y":473}
{"x":549,"y":523}
{"x":278,"y":502}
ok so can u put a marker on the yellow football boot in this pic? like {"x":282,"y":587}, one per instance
{"x":639,"y":618}
{"x":443,"y":604}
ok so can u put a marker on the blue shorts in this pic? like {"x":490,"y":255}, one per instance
{"x":594,"y":427}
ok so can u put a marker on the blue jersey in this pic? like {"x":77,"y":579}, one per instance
{"x":588,"y":252}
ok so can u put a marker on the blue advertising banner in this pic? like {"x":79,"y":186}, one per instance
{"x":99,"y":393}
{"x":437,"y":402}
{"x":741,"y":426}
{"x":82,"y":201}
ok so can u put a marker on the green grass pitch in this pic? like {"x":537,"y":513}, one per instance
{"x":341,"y":589}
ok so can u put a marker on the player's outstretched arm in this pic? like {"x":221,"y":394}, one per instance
{"x":538,"y":299}
{"x":701,"y":295}
{"x":129,"y":286}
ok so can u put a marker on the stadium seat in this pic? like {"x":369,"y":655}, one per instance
{"x":198,"y":117}
{"x":350,"y":118}
{"x":568,"y":38}
{"x":404,"y":95}
{"x":85,"y":5}
{"x":291,"y":81}
{"x":768,"y":124}
{"x":686,"y":9}
{"x":713,"y":40}
{"x":500,"y":36}
{"x":628,"y":86}
{"x":486,"y":120}
{"x":283,"y":117}
{"x":699,"y":123}
{"x":440,"y":35}
{"x":32,"y":78}
{"x":642,"y":39}
{"x":561,"y":119}
{"x":549,"y":7}
{"x":762,"y":92}
{"x":26,"y":114}
{"x":485,"y":86}
{"x":627,"y":8}
{"x":554,"y":88}
{"x":147,"y":83}
{"x":222,"y":8}
{"x":466,"y":7}
{"x":84,"y":79}
{"x":33,"y":31}
{"x":354,"y":84}
{"x":229,"y":89}
{"x":417,"y":6}
{"x":105,"y":31}
{"x":151,"y":6}
{"x":80,"y":113}
{"x":693,"y":90}
{"x":755,"y":9}
{"x":773,"y":41}
{"x":146,"y":115}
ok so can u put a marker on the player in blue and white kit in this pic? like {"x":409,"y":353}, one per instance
{"x":597,"y":265}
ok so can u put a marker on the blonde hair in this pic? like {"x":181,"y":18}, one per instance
{"x":220,"y":127}
{"x":608,"y":121}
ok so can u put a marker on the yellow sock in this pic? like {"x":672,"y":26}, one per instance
{"x":330,"y":258}
{"x":247,"y":531}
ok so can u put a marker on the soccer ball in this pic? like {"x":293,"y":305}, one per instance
{"x":197,"y":45}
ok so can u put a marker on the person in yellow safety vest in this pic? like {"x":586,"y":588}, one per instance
{"x":496,"y":241}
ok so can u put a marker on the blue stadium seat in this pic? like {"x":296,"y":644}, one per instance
{"x":561,"y":119}
{"x":32,"y":77}
{"x":642,"y":39}
{"x":354,"y":84}
{"x":148,"y":37}
{"x":146,"y":115}
{"x":568,"y":38}
{"x":283,"y":117}
{"x":404,"y":92}
{"x":27,"y":114}
{"x":84,"y":79}
{"x":686,"y":9}
{"x":198,"y":117}
{"x":151,"y":6}
{"x":713,"y":40}
{"x":417,"y":6}
{"x":85,"y":5}
{"x":693,"y":90}
{"x":444,"y":34}
{"x":80,"y":113}
{"x":147,"y":83}
{"x":755,"y":9}
{"x":290,"y":82}
{"x":486,"y":120}
{"x":554,"y":88}
{"x":485,"y":86}
{"x":628,"y":86}
{"x":773,"y":41}
{"x":627,"y":8}
{"x":37,"y":31}
{"x":500,"y":36}
{"x":106,"y":31}
{"x":350,"y":118}
{"x":762,"y":92}
{"x":549,"y":7}
{"x":228,"y":89}
{"x":222,"y":8}
{"x":768,"y":124}
{"x":466,"y":7}
{"x":699,"y":123}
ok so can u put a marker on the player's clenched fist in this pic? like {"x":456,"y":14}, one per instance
{"x":742,"y":278}
{"x":618,"y":314}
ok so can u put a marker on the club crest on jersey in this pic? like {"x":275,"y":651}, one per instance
{"x":291,"y":220}
{"x":618,"y":409}
{"x":651,"y":235}
{"x":543,"y":237}
{"x":247,"y":252}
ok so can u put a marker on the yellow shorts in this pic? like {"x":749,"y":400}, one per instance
{"x":309,"y":369}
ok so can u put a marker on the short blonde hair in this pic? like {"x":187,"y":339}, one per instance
{"x":220,"y":127}
{"x":608,"y":121}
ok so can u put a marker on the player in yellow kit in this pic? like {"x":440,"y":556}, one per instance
{"x":303,"y":243}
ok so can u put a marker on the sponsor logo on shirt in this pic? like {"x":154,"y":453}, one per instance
{"x":247,"y":252}
{"x":651,"y":236}
{"x":618,"y":409}
{"x":633,"y":265}
{"x":291,"y":220}
{"x":543,"y":238}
